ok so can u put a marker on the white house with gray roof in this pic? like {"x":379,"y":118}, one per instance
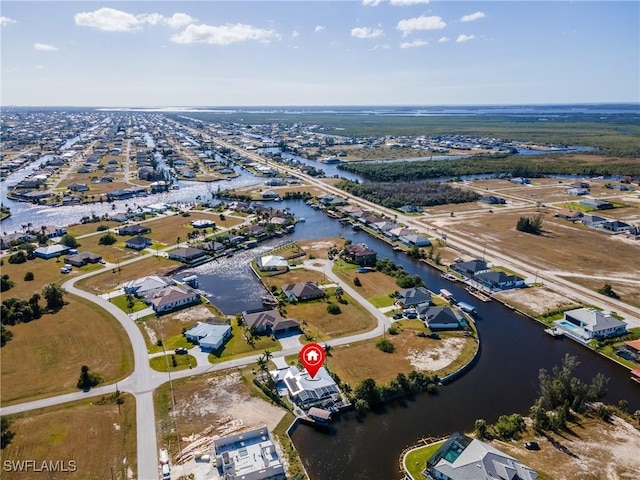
{"x":584,"y":324}
{"x":306,"y":391}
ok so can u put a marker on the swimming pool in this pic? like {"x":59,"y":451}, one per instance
{"x":568,"y":326}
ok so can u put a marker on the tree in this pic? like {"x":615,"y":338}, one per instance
{"x":5,"y":335}
{"x":18,"y":257}
{"x":357,"y":282}
{"x":385,"y":345}
{"x":69,"y":241}
{"x":480,"y":429}
{"x":607,"y":290}
{"x":6,"y":435}
{"x":28,"y":277}
{"x":333,"y":309}
{"x":87,"y":380}
{"x":107,"y":239}
{"x":53,"y":294}
{"x":5,"y":283}
{"x":131,"y":302}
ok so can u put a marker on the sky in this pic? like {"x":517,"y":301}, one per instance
{"x":357,"y":52}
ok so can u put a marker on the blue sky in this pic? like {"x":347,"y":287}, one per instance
{"x":371,"y":52}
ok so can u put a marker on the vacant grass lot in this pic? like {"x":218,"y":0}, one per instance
{"x":355,"y":362}
{"x":109,"y":281}
{"x":50,"y":351}
{"x":111,"y":253}
{"x":89,"y":228}
{"x":165,"y":363}
{"x":376,"y":286}
{"x":168,"y":229}
{"x":101,"y":439}
{"x":296,"y":275}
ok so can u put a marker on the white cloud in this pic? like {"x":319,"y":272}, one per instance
{"x":39,"y":67}
{"x":443,"y":39}
{"x":464,"y":38}
{"x":318,"y":29}
{"x":175,"y":21}
{"x":415,"y":43}
{"x":420,"y":23}
{"x":223,"y":34}
{"x":382,"y":46}
{"x":6,"y":21}
{"x":366,"y":32}
{"x":371,"y":3}
{"x":108,"y":20}
{"x":44,"y":47}
{"x":473,"y":16}
{"x":402,"y":3}
{"x":112,"y":20}
{"x":294,"y":34}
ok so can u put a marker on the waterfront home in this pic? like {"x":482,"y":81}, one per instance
{"x":596,"y":203}
{"x":630,"y":351}
{"x":584,"y":324}
{"x":415,"y":240}
{"x":250,"y":455}
{"x":81,"y":259}
{"x":51,"y":231}
{"x":498,"y":280}
{"x":138,"y":243}
{"x":359,"y":254}
{"x":520,"y":180}
{"x":267,"y":322}
{"x":50,"y":251}
{"x":298,"y":292}
{"x":306,"y":391}
{"x":171,"y":298}
{"x":411,"y":297}
{"x":270,"y":195}
{"x":271,"y":263}
{"x":211,"y":334}
{"x":398,"y":232}
{"x":464,"y":458}
{"x":440,"y":317}
{"x":145,"y":285}
{"x":133,"y":230}
{"x":470,"y":268}
{"x":187,"y":255}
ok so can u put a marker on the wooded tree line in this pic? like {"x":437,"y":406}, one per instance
{"x":395,"y":195}
{"x":482,"y":164}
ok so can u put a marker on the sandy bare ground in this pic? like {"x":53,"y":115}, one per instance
{"x":593,"y":449}
{"x":436,"y":358}
{"x":536,"y":300}
{"x":192,"y":314}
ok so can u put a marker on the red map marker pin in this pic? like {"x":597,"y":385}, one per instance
{"x":312,"y":356}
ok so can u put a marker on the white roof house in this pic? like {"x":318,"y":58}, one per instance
{"x":142,"y":286}
{"x":584,"y":324}
{"x":307,"y":391}
{"x":248,"y":455}
{"x":209,"y":336}
{"x":272,"y":262}
{"x":203,"y":223}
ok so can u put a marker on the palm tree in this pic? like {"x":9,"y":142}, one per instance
{"x":267,"y":356}
{"x":178,"y":242}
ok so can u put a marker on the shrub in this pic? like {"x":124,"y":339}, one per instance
{"x":333,"y":309}
{"x":102,"y":228}
{"x":69,"y":241}
{"x":28,"y":277}
{"x":18,"y":257}
{"x":357,"y":282}
{"x":107,"y":239}
{"x":385,"y":345}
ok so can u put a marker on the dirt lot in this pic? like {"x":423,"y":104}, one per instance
{"x":50,"y":351}
{"x":211,"y":406}
{"x":629,"y":290}
{"x":100,"y":439}
{"x":355,"y":362}
{"x":579,"y":454}
{"x":319,"y":248}
{"x":536,"y":300}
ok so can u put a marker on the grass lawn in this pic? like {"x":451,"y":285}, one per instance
{"x":88,"y":228}
{"x":168,"y":229}
{"x":237,"y":345}
{"x":109,"y":281}
{"x":375,"y":285}
{"x":50,"y":351}
{"x":121,"y":303}
{"x":416,"y":460}
{"x":97,"y":435}
{"x":165,"y":362}
{"x":44,"y":272}
{"x":111,"y":253}
{"x":296,"y":469}
{"x":297,"y":275}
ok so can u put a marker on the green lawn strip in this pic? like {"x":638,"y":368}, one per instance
{"x":238,"y":347}
{"x":171,"y":343}
{"x":165,"y":363}
{"x":121,"y":303}
{"x":380,"y":301}
{"x":416,"y":460}
{"x":500,"y":268}
{"x":296,"y":470}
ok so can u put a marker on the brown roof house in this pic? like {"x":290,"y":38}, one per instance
{"x":360,"y":254}
{"x":269,"y":322}
{"x":297,"y":292}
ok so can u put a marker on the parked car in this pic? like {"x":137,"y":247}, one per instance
{"x":397,"y":316}
{"x":181,"y":351}
{"x":102,"y":261}
{"x":531,"y":445}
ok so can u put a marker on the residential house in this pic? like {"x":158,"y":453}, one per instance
{"x":268,"y":322}
{"x":596,"y":203}
{"x":520,"y":180}
{"x":568,"y":214}
{"x":271,"y":263}
{"x":302,"y":291}
{"x":50,"y":251}
{"x":187,"y":255}
{"x":593,"y":221}
{"x":499,"y":280}
{"x":81,"y":259}
{"x":440,"y":317}
{"x":171,"y":298}
{"x":410,"y":209}
{"x":133,"y":230}
{"x":411,"y":297}
{"x":470,"y":268}
{"x":464,"y":458}
{"x":398,"y":232}
{"x":138,"y":243}
{"x":493,"y":200}
{"x":249,"y":455}
{"x":78,"y":187}
{"x":360,"y":254}
{"x":415,"y":240}
{"x":203,"y":223}
{"x":145,"y":285}
{"x":584,"y":324}
{"x":210,"y":335}
{"x":270,"y":195}
{"x":307,"y":392}
{"x":629,"y":349}
{"x":577,"y":191}
{"x":615,"y":226}
{"x":51,"y":231}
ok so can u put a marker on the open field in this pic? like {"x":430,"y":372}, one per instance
{"x":355,"y":362}
{"x":98,"y":436}
{"x":578,"y":453}
{"x":168,"y":229}
{"x":375,"y":286}
{"x":87,"y":228}
{"x":210,"y":405}
{"x":50,"y":351}
{"x":108,"y":281}
{"x":296,"y":275}
{"x":111,"y":253}
{"x":629,"y":291}
{"x":536,"y":300}
{"x":319,"y":248}
{"x":562,"y":246}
